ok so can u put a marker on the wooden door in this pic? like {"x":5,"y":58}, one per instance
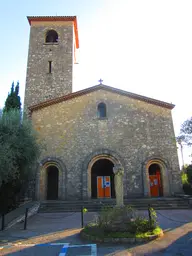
{"x":103,"y":187}
{"x":107,"y":187}
{"x":154,"y":185}
{"x":100,"y":190}
{"x":160,"y":183}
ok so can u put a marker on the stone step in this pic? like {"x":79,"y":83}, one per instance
{"x":75,"y":208}
{"x":96,"y":201}
{"x":50,"y":210}
{"x":64,"y":206}
{"x":100,"y":206}
{"x":97,"y":205}
{"x":112,"y":202}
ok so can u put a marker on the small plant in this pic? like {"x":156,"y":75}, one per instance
{"x":153,"y":222}
{"x":185,"y":177}
{"x":140,"y":224}
{"x":189,"y":173}
{"x":85,"y":210}
{"x":112,"y":218}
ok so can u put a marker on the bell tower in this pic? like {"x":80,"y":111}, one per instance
{"x":51,"y":56}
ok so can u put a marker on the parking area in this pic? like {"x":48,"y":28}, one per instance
{"x":60,"y":249}
{"x":58,"y":234}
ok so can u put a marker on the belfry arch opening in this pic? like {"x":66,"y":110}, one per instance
{"x":155,"y":180}
{"x":52,"y":182}
{"x":51,"y":36}
{"x":102,"y":179}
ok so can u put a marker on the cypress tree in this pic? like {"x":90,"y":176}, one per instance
{"x":13,"y":100}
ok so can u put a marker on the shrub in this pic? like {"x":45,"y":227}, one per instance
{"x":184,"y":177}
{"x":189,"y":173}
{"x":141,"y":224}
{"x":187,"y":188}
{"x":124,"y":219}
{"x":123,"y":222}
{"x":114,"y":218}
{"x":153,"y":214}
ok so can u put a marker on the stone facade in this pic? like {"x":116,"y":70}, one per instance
{"x":40,"y":84}
{"x":136,"y":132}
{"x":133,"y":134}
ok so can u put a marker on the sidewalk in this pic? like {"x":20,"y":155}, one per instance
{"x":49,"y":224}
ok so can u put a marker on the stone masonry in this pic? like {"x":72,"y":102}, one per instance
{"x":40,"y":84}
{"x":136,"y":131}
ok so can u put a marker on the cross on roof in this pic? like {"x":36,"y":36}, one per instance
{"x":100,"y":81}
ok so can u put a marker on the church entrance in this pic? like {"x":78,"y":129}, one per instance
{"x":52,"y":182}
{"x":155,"y":181}
{"x":102,"y":179}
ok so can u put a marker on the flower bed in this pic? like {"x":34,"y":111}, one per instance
{"x":96,"y":234}
{"x":124,"y":224}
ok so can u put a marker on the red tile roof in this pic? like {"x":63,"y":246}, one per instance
{"x":98,"y":87}
{"x":58,"y":18}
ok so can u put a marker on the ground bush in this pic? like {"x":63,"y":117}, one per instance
{"x":186,"y":177}
{"x":187,"y":188}
{"x":189,"y":173}
{"x":124,"y":220}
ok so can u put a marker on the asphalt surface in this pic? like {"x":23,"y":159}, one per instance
{"x":58,"y":234}
{"x":60,"y":249}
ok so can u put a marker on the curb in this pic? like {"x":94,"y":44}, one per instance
{"x":120,"y":240}
{"x":32,"y":211}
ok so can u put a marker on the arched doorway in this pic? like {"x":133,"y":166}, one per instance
{"x":52,"y":182}
{"x":155,"y":180}
{"x":102,"y":179}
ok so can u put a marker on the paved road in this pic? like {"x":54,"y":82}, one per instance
{"x":60,"y":249}
{"x":64,"y":228}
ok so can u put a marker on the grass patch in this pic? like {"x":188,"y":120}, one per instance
{"x":97,"y":232}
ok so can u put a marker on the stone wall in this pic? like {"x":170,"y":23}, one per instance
{"x":136,"y":131}
{"x":40,"y":84}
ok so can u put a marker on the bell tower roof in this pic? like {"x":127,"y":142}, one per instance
{"x":34,"y":19}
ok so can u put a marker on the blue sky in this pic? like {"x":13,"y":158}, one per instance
{"x":139,"y":46}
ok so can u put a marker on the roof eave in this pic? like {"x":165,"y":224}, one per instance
{"x":105,"y":87}
{"x":57,"y":18}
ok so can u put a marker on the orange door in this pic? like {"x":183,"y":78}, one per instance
{"x":103,"y":187}
{"x":107,"y":187}
{"x":100,"y":190}
{"x":154,"y":185}
{"x":160,"y":183}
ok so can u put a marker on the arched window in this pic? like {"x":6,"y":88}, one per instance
{"x":51,"y":36}
{"x":101,"y":110}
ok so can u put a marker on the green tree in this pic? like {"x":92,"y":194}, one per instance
{"x":19,"y":152}
{"x":13,"y":100}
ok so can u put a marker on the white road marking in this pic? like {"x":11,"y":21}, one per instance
{"x":64,"y":250}
{"x":93,"y":250}
{"x":80,"y":245}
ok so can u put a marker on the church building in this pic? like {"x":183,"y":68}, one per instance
{"x":89,"y":134}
